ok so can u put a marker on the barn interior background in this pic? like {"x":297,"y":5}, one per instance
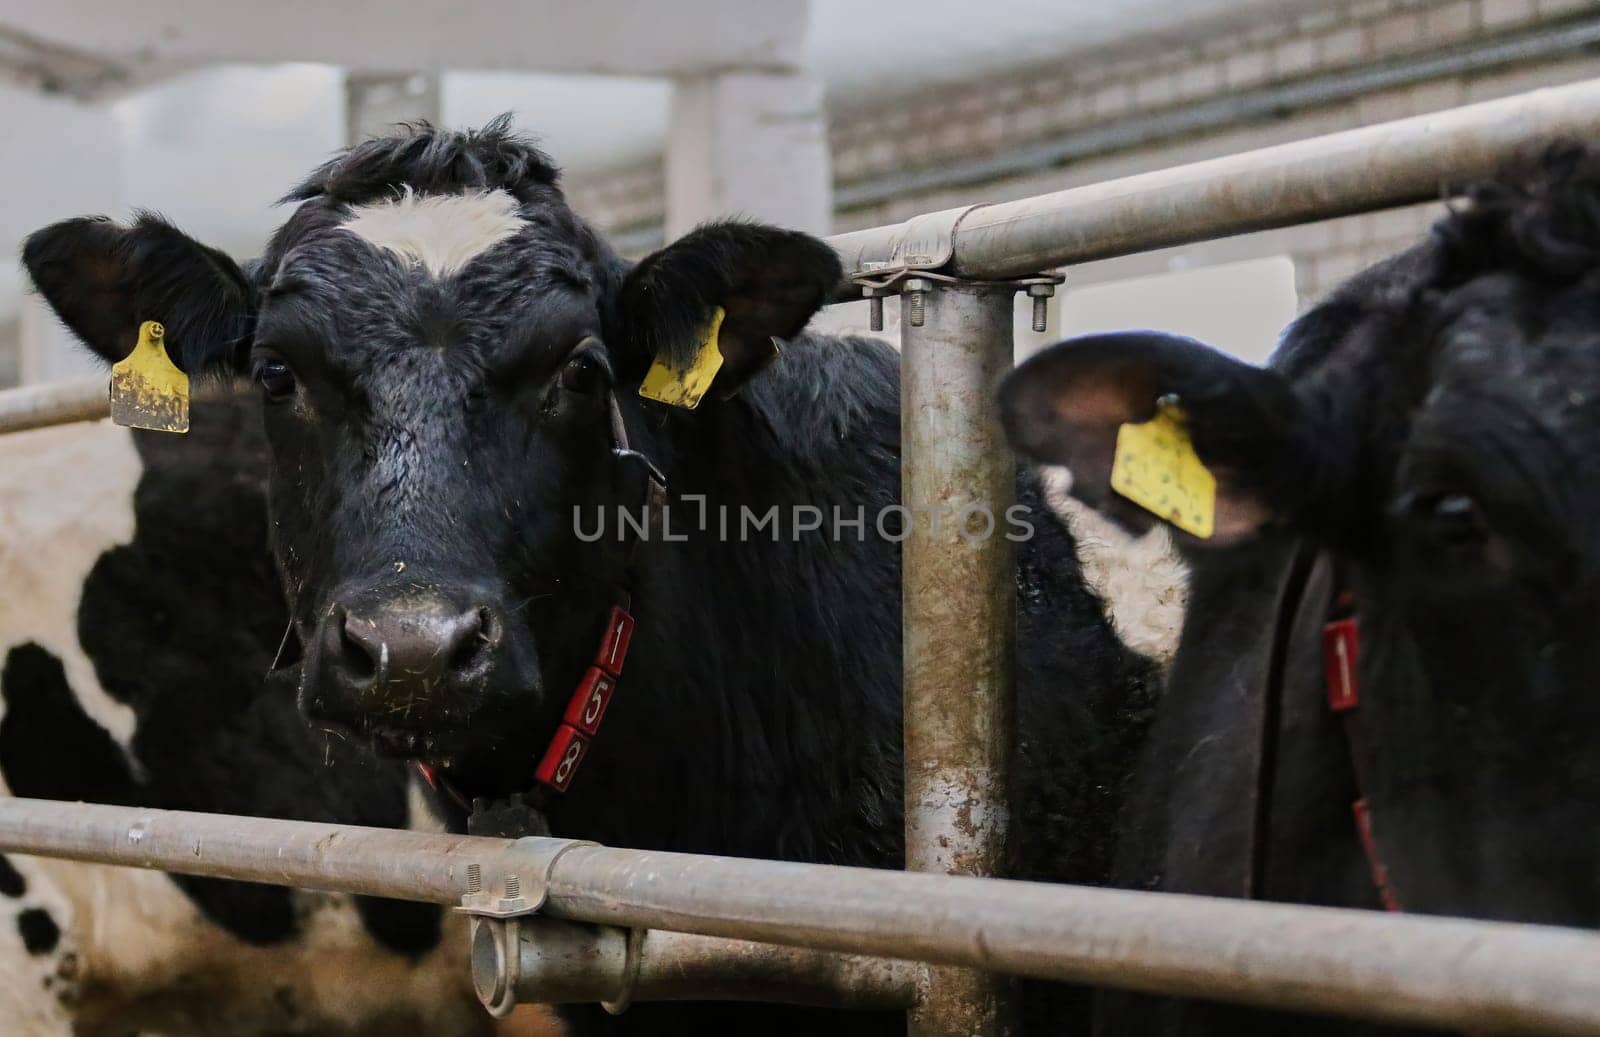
{"x":829,"y":115}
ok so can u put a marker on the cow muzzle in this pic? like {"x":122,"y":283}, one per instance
{"x":404,"y":667}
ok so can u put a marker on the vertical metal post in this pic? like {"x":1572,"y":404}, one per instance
{"x":956,"y":473}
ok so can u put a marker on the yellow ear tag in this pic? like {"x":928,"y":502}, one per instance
{"x":685,"y":388}
{"x":147,"y":389}
{"x":1156,"y":467}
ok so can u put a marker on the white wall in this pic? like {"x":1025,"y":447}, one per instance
{"x":59,"y":159}
{"x":1239,"y":308}
{"x":211,"y":150}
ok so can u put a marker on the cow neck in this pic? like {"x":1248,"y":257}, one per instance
{"x":636,"y":477}
{"x":1341,"y":654}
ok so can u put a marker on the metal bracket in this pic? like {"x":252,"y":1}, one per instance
{"x":630,"y":974}
{"x":878,"y":285}
{"x":497,"y":913}
{"x":515,"y":897}
{"x":924,"y":242}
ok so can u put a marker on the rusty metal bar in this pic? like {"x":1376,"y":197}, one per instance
{"x":1475,"y":976}
{"x":53,"y":403}
{"x":957,"y":477}
{"x":1388,"y":164}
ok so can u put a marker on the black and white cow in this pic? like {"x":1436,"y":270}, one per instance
{"x":1401,"y":606}
{"x":448,"y":358}
{"x":139,"y":614}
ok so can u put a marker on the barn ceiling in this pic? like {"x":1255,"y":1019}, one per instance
{"x":864,"y":51}
{"x":556,"y":63}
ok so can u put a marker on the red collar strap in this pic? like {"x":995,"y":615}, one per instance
{"x":1341,"y":653}
{"x":587,"y":707}
{"x":579,"y":724}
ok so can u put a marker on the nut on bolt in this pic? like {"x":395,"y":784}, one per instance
{"x":916,"y":288}
{"x":1040,"y":294}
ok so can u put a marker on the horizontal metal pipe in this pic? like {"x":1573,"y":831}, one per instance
{"x":54,"y":403}
{"x":679,"y":966}
{"x":1479,"y":976}
{"x":1393,"y":163}
{"x":561,"y":962}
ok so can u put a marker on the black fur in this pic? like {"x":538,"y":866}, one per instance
{"x":426,"y":160}
{"x":40,"y":933}
{"x":104,"y":280}
{"x":12,"y":884}
{"x":1443,"y":412}
{"x":768,"y":281}
{"x":430,"y":451}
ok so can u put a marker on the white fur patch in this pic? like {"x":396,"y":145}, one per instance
{"x":1142,"y":580}
{"x":440,"y":232}
{"x":135,"y":954}
{"x":37,"y":990}
{"x":144,"y":959}
{"x":67,"y":498}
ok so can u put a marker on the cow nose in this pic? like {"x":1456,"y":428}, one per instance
{"x":411,"y":647}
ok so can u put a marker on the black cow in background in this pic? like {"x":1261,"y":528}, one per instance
{"x":1415,"y":465}
{"x":447,"y":358}
{"x":139,"y":615}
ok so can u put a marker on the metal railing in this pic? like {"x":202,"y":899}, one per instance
{"x":1446,"y":972}
{"x":848,"y":935}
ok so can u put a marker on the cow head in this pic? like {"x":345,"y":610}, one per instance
{"x":435,"y":335}
{"x":1432,"y":425}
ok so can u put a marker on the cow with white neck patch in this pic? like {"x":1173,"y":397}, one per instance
{"x":450,"y":365}
{"x":1385,"y":691}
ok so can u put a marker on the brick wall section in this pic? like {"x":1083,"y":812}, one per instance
{"x":1027,"y":106}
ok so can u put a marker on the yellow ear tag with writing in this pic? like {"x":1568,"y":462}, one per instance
{"x":686,"y":388}
{"x":147,"y":388}
{"x":1155,"y":466}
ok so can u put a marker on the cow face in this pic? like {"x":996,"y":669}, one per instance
{"x":435,"y":336}
{"x":1432,"y":426}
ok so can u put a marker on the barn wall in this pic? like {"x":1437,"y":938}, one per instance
{"x":930,"y":129}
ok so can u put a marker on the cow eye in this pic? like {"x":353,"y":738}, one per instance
{"x":582,"y":373}
{"x":275,"y":378}
{"x":1452,"y":519}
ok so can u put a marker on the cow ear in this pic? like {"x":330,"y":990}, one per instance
{"x":104,"y":279}
{"x":768,"y":282}
{"x":1066,"y":405}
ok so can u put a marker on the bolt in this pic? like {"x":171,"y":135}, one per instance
{"x":1040,"y":294}
{"x":917,"y":288}
{"x":875,"y":312}
{"x":474,"y":878}
{"x":513,"y":887}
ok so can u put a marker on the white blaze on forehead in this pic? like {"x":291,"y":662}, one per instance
{"x":441,"y":232}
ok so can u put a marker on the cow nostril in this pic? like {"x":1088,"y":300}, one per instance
{"x":466,"y":654}
{"x":489,"y":626}
{"x":359,"y":648}
{"x":477,"y":631}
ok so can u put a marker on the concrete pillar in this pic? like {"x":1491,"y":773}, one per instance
{"x":81,"y":176}
{"x":376,"y":101}
{"x":749,"y":144}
